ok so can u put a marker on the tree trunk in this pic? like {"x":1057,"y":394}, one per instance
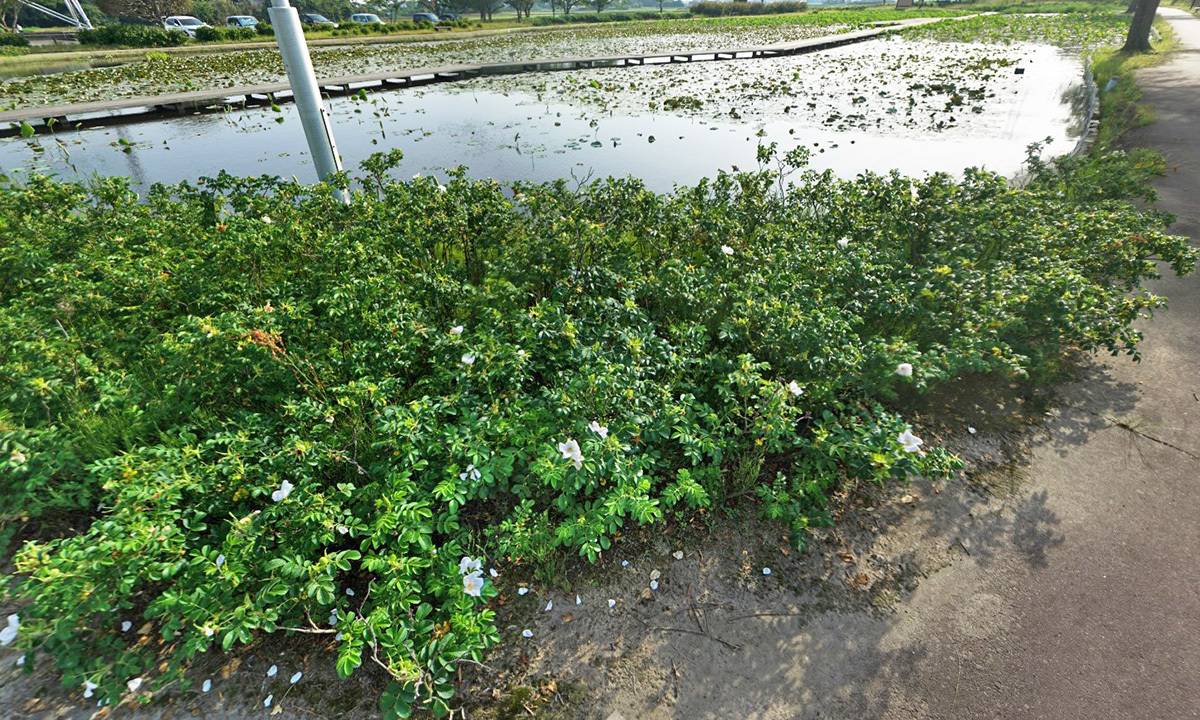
{"x":1133,"y":4}
{"x":1139,"y":29}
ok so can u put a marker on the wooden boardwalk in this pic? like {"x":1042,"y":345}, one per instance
{"x":125,"y":110}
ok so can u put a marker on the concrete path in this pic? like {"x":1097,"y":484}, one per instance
{"x":1095,"y":613}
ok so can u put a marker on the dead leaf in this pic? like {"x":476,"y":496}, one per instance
{"x":847,"y":557}
{"x":145,"y":629}
{"x":230,"y":668}
{"x":567,"y":617}
{"x":860,"y":581}
{"x":277,"y":709}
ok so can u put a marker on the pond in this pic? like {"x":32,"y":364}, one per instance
{"x":915,"y":106}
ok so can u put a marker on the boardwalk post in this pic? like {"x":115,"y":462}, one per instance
{"x":313,"y":115}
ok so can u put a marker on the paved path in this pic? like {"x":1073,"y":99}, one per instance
{"x":1096,"y":612}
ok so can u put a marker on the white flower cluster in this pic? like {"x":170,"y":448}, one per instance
{"x":571,"y":451}
{"x":471,"y":570}
{"x":9,"y":633}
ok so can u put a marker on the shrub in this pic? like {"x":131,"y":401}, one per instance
{"x":253,"y":396}
{"x":132,"y":36}
{"x":8,"y":39}
{"x":725,"y":9}
{"x":604,"y":17}
{"x":263,"y":28}
{"x":225,"y":34}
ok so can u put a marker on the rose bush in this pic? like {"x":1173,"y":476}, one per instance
{"x":256,"y":397}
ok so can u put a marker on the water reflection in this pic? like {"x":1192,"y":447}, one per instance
{"x":498,"y":129}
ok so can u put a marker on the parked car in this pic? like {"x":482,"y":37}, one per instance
{"x":449,"y":16}
{"x":318,"y":20}
{"x":236,"y":21}
{"x":425,"y":18}
{"x":365,"y":19}
{"x":184,"y":23}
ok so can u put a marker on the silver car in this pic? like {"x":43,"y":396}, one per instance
{"x":184,"y":23}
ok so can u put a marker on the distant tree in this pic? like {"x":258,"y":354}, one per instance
{"x":486,"y":8}
{"x":10,"y":14}
{"x":522,"y":6}
{"x":1138,"y":39}
{"x":332,"y":9}
{"x":566,"y":5}
{"x":390,"y":9}
{"x":145,"y":9}
{"x":601,"y":4}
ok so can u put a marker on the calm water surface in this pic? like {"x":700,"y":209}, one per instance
{"x":499,"y":129}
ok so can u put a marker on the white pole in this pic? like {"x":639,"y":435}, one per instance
{"x":313,"y":115}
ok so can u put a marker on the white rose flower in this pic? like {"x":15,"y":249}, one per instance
{"x":910,"y":442}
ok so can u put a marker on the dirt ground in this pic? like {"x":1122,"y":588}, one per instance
{"x":1056,"y":578}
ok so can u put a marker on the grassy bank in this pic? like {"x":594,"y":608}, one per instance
{"x":1120,"y":107}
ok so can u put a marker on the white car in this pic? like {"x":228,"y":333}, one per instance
{"x":184,"y":23}
{"x":365,"y":19}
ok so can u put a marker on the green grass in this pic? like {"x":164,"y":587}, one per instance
{"x":1121,"y":108}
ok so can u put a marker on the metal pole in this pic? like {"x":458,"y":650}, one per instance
{"x":313,"y":115}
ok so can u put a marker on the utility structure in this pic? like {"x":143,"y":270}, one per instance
{"x":77,"y":18}
{"x":307,"y":94}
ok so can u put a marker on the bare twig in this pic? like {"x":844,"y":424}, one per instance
{"x":765,"y":614}
{"x":310,"y":631}
{"x":688,"y":631}
{"x":476,"y":663}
